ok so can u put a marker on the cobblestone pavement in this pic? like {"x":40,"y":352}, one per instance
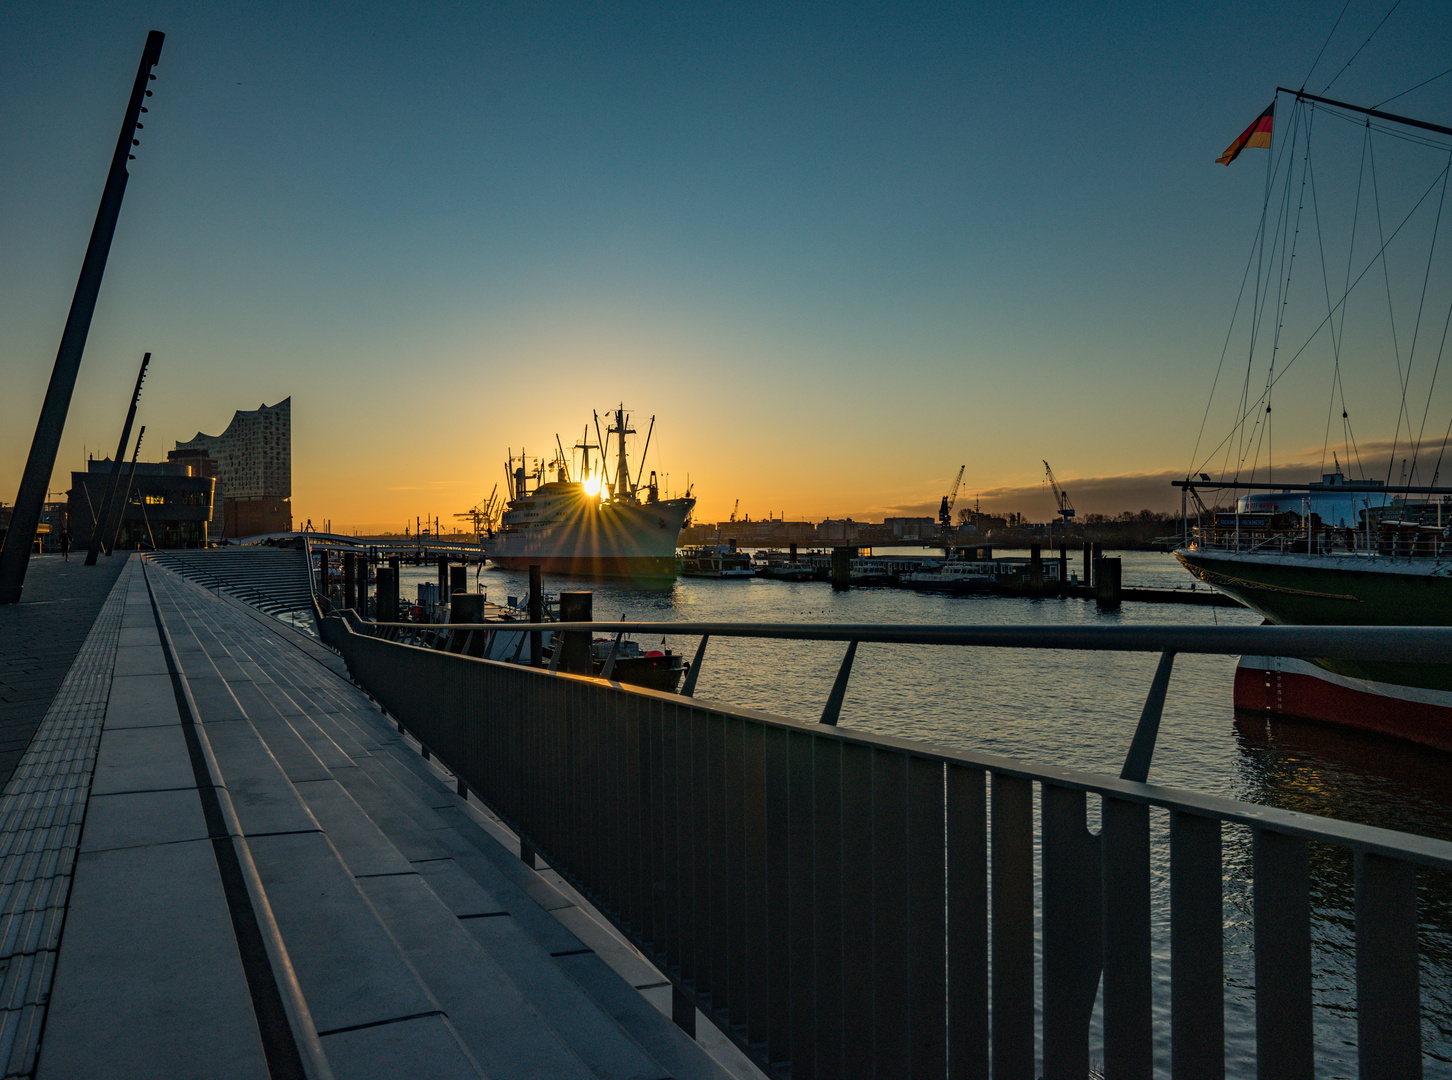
{"x":39,"y":639}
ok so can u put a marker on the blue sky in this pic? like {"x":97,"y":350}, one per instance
{"x":837,"y":250}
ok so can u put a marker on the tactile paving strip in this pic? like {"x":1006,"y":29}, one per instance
{"x":41,"y":812}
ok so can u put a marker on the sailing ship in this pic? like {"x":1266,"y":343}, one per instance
{"x":598,"y":525}
{"x":1342,"y":551}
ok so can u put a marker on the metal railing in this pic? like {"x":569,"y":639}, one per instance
{"x":849,"y":904}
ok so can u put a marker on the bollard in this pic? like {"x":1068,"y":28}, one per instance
{"x":1063,"y":569}
{"x":576,"y":607}
{"x":842,"y":567}
{"x":536,"y":614}
{"x":350,"y":578}
{"x":1107,"y":583}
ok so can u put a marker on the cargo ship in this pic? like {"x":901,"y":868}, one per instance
{"x":596,"y":525}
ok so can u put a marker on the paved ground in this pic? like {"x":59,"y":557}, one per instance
{"x":39,"y":639}
{"x":217,"y":858}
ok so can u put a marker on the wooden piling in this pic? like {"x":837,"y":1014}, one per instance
{"x":350,"y":578}
{"x":576,"y":607}
{"x":536,"y":614}
{"x":1107,"y":583}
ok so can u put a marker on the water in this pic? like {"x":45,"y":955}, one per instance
{"x":1079,"y":710}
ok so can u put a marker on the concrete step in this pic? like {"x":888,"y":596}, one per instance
{"x":372,"y":1013}
{"x":308,"y":758}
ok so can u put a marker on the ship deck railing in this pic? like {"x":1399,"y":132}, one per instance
{"x":846,"y":903}
{"x":1423,"y":543}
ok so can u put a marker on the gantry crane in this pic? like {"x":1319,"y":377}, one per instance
{"x":484,"y":514}
{"x":1061,"y":497}
{"x":945,"y":511}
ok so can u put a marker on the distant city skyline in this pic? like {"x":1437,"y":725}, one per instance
{"x":837,"y":252}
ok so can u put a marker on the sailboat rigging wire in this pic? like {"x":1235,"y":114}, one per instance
{"x":1279,"y":247}
{"x":1409,"y":89}
{"x":1392,"y":323}
{"x":1312,"y":335}
{"x":1363,"y":45}
{"x":1325,"y":43}
{"x":1417,"y":329}
{"x":1326,"y":290}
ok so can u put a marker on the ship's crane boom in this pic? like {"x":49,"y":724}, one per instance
{"x":945,"y":511}
{"x":1061,"y":497}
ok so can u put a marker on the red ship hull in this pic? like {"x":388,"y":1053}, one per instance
{"x":1287,"y":687}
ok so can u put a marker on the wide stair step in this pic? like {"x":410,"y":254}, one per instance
{"x":413,"y":934}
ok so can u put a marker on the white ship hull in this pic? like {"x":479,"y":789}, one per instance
{"x":585,"y":536}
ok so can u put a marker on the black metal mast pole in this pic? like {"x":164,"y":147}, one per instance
{"x":15,"y":556}
{"x":103,"y":519}
{"x":1301,"y":95}
{"x":126,"y":496}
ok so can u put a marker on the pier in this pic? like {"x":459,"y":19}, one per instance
{"x":397,"y":860}
{"x":221,"y":859}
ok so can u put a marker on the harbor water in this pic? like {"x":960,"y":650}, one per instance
{"x":1079,"y":710}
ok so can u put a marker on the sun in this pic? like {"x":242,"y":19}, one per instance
{"x":592,"y":486}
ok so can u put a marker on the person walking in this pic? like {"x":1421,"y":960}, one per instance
{"x":65,"y":544}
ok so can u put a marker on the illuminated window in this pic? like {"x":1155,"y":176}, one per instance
{"x":155,"y":500}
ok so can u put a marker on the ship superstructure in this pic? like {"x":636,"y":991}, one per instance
{"x":598,"y":525}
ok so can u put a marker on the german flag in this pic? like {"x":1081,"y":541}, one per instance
{"x":1258,"y":134}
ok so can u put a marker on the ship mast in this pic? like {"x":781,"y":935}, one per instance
{"x":622,"y":428}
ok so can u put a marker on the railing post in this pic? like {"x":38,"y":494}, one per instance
{"x":1284,"y":1043}
{"x":1142,"y":746}
{"x":609,"y":668}
{"x":1013,"y":928}
{"x":1128,"y":995}
{"x":688,"y":689}
{"x":1388,"y":998}
{"x":833,"y":707}
{"x":1197,"y":949}
{"x":1073,"y":950}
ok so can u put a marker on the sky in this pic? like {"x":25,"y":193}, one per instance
{"x":836,"y":251}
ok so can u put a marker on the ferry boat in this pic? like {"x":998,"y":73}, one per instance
{"x":1357,"y":552}
{"x":715,"y":561}
{"x":597,"y":525}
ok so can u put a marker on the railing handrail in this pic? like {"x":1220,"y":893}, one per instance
{"x":1404,"y":644}
{"x":1368,"y":838}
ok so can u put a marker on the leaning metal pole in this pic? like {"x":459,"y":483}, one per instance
{"x":15,"y":556}
{"x":103,"y":519}
{"x":126,"y":493}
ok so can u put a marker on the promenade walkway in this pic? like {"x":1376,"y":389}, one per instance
{"x":217,"y":858}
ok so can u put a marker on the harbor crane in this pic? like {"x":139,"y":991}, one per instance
{"x":734,"y":509}
{"x":1061,"y":497}
{"x":945,"y":511}
{"x":484,"y":514}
